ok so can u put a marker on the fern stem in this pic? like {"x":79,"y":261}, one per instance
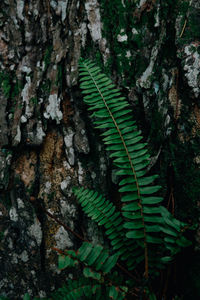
{"x":64,"y":225}
{"x":111,"y":282}
{"x":134,"y":173}
{"x":82,"y":239}
{"x":127,"y":272}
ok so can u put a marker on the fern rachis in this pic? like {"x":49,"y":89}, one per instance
{"x":143,"y":231}
{"x":121,"y":137}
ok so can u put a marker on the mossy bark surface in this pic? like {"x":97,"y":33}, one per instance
{"x":151,"y":50}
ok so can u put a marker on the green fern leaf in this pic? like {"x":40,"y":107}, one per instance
{"x":110,"y":111}
{"x":104,"y":213}
{"x":69,"y":260}
{"x":94,"y":256}
{"x":116,"y":293}
{"x":75,"y":289}
{"x":89,"y":273}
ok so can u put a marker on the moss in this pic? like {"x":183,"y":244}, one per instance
{"x":1,"y":237}
{"x":194,"y":24}
{"x":30,"y":190}
{"x":3,"y":298}
{"x":108,"y":66}
{"x":5,"y":84}
{"x":10,"y":85}
{"x":34,"y":100}
{"x":47,"y":56}
{"x":6,"y":88}
{"x":156,"y":128}
{"x":178,"y":163}
{"x":16,"y":89}
{"x":45,"y":87}
{"x":148,"y":20}
{"x":187,"y":178}
{"x":59,"y":75}
{"x":51,"y":196}
{"x":140,"y":33}
{"x":191,"y":32}
{"x":137,"y":39}
{"x":140,"y":65}
{"x":113,"y":15}
{"x":116,"y":18}
{"x":183,"y":6}
{"x":99,"y":60}
{"x":170,"y":9}
{"x":6,"y":152}
{"x":192,"y":28}
{"x":91,"y":50}
{"x":6,"y":200}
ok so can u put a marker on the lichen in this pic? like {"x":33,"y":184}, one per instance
{"x":62,"y":7}
{"x":122,"y":36}
{"x":68,"y":210}
{"x":65,"y":183}
{"x":80,"y":173}
{"x":69,"y":150}
{"x":94,"y":17}
{"x":192,"y":67}
{"x":62,"y":239}
{"x":35,"y":136}
{"x":26,"y":96}
{"x":24,"y":256}
{"x":36,"y":231}
{"x":80,"y":138}
{"x":53,"y":109}
{"x":20,"y":9}
{"x":17,"y":138}
{"x":13,"y":214}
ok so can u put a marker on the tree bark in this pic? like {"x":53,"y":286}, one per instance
{"x":151,"y":50}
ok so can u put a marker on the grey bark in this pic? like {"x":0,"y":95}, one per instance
{"x":47,"y":143}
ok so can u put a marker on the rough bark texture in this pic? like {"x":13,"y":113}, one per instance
{"x":151,"y":49}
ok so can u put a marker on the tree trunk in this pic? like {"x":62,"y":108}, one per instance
{"x":151,"y":50}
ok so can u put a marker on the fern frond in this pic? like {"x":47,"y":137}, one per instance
{"x":141,"y":210}
{"x":89,"y":289}
{"x":124,"y":143}
{"x":116,"y":293}
{"x":67,"y":259}
{"x":97,"y":264}
{"x":75,"y":289}
{"x":95,"y":256}
{"x":173,"y":230}
{"x":89,"y":273}
{"x":104,"y":213}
